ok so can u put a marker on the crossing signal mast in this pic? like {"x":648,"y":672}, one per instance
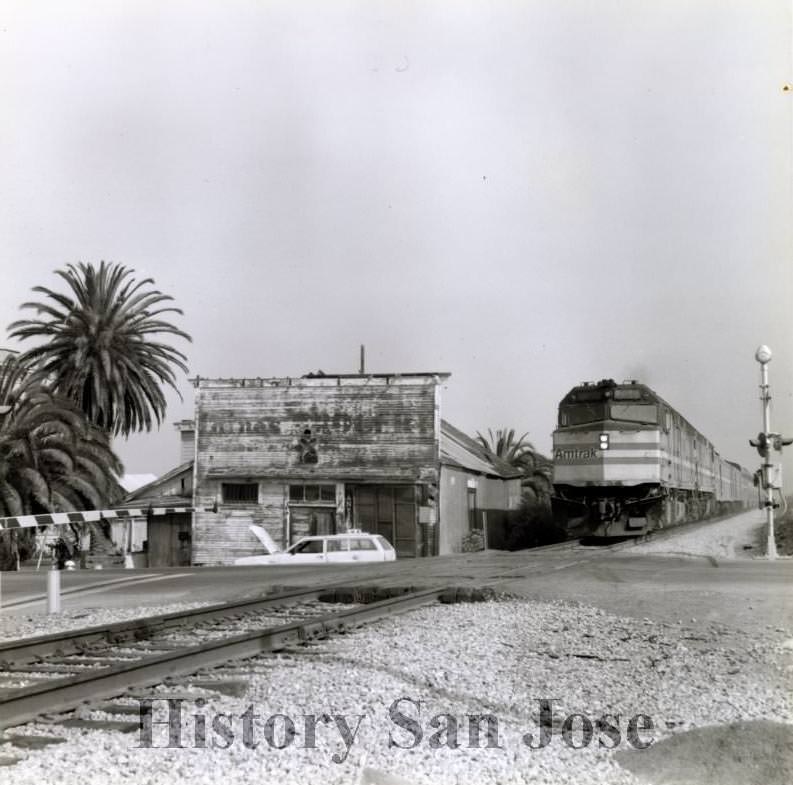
{"x":770,"y":476}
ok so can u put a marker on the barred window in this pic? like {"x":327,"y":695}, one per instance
{"x":312,"y":493}
{"x":236,"y":492}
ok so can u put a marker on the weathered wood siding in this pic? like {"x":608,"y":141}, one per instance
{"x":364,"y":430}
{"x":219,"y":538}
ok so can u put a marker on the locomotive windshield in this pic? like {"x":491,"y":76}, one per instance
{"x":635,"y":412}
{"x":583,"y":413}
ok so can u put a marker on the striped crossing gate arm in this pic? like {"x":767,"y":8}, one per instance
{"x":63,"y":518}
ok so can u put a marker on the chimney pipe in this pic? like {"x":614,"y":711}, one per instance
{"x":363,"y":360}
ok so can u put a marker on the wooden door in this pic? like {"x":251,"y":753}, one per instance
{"x":388,"y":510}
{"x":170,"y":539}
{"x":310,"y":521}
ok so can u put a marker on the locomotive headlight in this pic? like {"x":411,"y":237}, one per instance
{"x":604,"y":441}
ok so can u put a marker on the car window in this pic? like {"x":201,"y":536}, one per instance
{"x":309,"y":546}
{"x":384,"y":543}
{"x":362,"y":544}
{"x":334,"y":546}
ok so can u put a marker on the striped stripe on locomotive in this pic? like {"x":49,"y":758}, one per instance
{"x":625,"y":463}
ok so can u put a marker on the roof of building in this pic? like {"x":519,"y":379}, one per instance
{"x":132,"y":482}
{"x":460,"y":450}
{"x":321,"y":379}
{"x":151,"y":495}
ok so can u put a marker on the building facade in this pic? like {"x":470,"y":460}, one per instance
{"x":323,"y":454}
{"x":318,"y":454}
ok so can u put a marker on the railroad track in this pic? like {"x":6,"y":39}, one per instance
{"x":82,"y":668}
{"x":589,"y":548}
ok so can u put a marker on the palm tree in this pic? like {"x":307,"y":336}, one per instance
{"x":52,"y":459}
{"x":532,"y":525}
{"x":517,"y":452}
{"x":98,"y":347}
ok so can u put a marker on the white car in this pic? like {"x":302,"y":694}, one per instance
{"x":353,"y":546}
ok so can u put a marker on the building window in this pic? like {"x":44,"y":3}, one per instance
{"x":239,"y":492}
{"x":312,"y":493}
{"x":472,"y":522}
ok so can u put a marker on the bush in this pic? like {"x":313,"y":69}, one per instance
{"x":532,"y":525}
{"x":474,"y":541}
{"x":783,"y":531}
{"x":10,"y":540}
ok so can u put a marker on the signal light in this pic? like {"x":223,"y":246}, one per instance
{"x":604,"y":441}
{"x":761,"y":443}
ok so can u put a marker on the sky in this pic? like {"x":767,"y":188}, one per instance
{"x":526,"y":195}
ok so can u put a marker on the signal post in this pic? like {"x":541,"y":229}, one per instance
{"x":766,"y":439}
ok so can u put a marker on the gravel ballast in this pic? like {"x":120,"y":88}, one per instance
{"x":14,"y":627}
{"x":497,"y":658}
{"x":740,"y":536}
{"x":718,"y":695}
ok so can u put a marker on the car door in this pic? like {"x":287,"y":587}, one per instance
{"x":308,"y":551}
{"x":337,"y":550}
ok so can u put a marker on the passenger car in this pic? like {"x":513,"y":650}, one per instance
{"x":353,"y":546}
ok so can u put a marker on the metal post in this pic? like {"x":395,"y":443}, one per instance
{"x":85,"y":544}
{"x":54,"y":589}
{"x":128,"y":562}
{"x":763,"y":356}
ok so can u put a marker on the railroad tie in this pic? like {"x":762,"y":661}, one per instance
{"x":235,"y":688}
{"x":25,"y":741}
{"x":117,"y":708}
{"x":120,"y":726}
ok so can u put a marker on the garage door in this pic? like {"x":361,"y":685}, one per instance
{"x":389,"y":510}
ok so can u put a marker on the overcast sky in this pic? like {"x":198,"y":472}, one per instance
{"x":524,"y":194}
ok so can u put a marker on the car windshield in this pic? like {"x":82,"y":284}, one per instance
{"x":307,"y":546}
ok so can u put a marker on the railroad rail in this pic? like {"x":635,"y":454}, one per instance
{"x":27,"y":649}
{"x":107,"y":676}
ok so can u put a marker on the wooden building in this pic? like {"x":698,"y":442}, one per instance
{"x":315,"y":454}
{"x":322,"y":454}
{"x":159,"y":540}
{"x":477,"y":491}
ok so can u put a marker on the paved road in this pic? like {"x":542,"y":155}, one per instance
{"x":744,"y":593}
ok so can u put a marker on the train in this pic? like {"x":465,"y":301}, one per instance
{"x":626,"y":463}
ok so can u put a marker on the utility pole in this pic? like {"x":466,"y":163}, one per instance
{"x":765,"y":440}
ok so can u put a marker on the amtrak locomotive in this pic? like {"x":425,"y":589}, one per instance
{"x":626,"y":463}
